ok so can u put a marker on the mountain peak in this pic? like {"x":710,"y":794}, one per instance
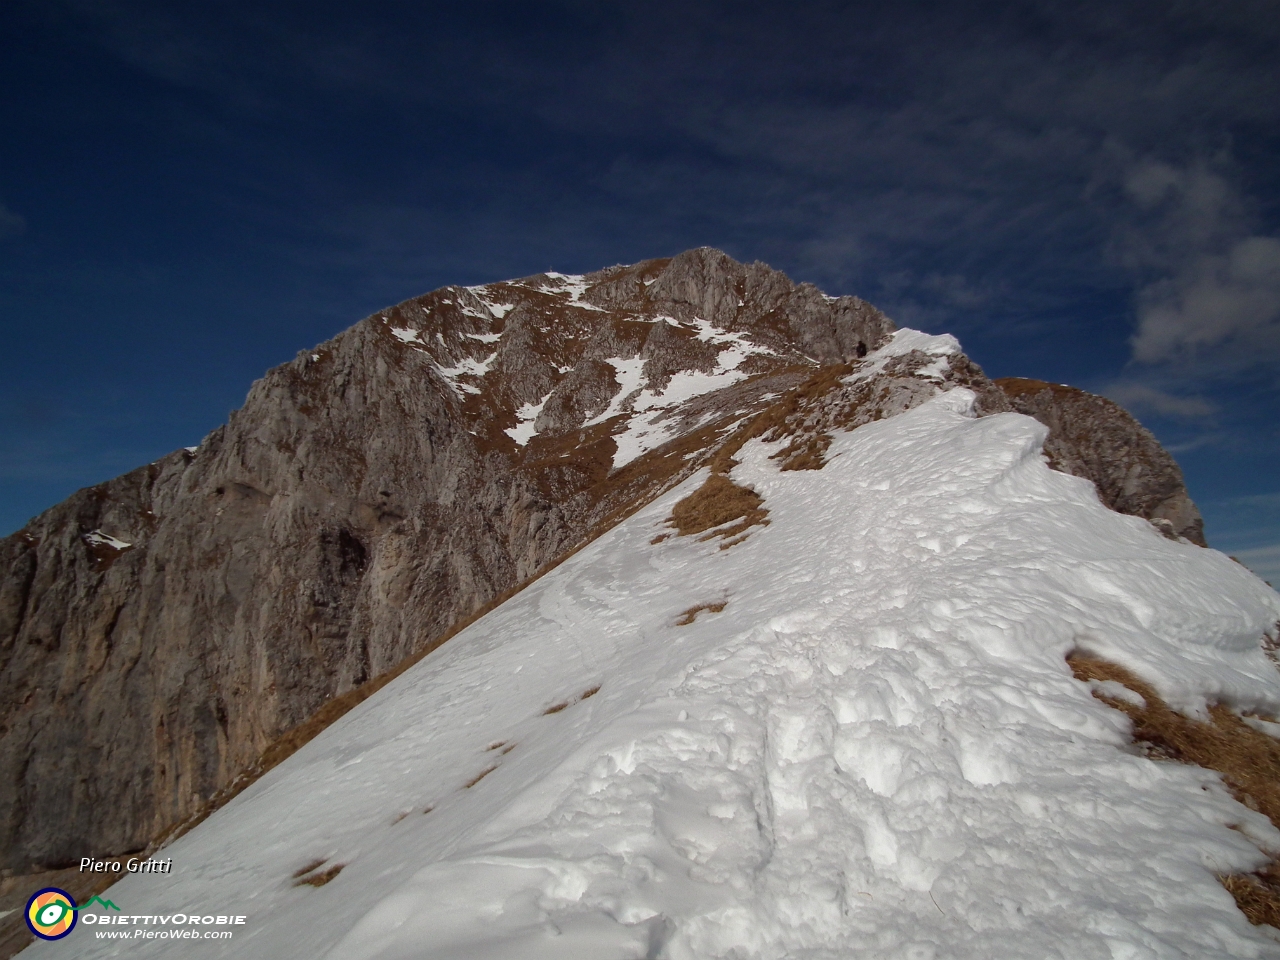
{"x":169,"y":629}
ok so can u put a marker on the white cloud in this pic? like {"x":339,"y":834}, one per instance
{"x":1224,"y":305}
{"x":1211,"y":304}
{"x":1145,"y":397}
{"x":1260,"y":501}
{"x":11,"y":224}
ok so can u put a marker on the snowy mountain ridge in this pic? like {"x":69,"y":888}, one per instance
{"x":851,"y":734}
{"x":170,"y":635}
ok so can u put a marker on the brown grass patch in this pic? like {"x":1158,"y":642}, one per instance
{"x":495,"y":745}
{"x":479,"y":776}
{"x":1021,"y":386}
{"x":1257,"y":895}
{"x":717,"y":502}
{"x":805,"y":453}
{"x":1248,"y":760}
{"x":691,"y":614}
{"x":563,"y":704}
{"x":321,"y":878}
{"x":313,"y":865}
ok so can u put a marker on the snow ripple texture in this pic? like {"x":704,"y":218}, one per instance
{"x":875,"y":750}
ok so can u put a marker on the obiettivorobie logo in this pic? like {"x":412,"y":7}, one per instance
{"x":51,"y":912}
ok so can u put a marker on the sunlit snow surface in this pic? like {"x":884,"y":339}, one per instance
{"x":875,"y":751}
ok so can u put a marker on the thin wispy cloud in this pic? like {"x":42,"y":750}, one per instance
{"x":1144,"y":397}
{"x":1264,"y":561}
{"x":12,"y":225}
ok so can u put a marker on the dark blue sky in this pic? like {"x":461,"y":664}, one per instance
{"x":191,"y":193}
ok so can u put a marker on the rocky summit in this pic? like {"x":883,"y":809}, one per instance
{"x":164,"y":631}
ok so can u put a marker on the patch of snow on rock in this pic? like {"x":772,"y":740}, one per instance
{"x":629,"y":373}
{"x":486,"y":295}
{"x":573,"y":284}
{"x":524,"y":430}
{"x":643,"y":433}
{"x":405,"y":335}
{"x":466,"y":367}
{"x":97,"y":538}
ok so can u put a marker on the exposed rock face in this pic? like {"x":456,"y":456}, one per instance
{"x":1092,"y":437}
{"x":158,"y":631}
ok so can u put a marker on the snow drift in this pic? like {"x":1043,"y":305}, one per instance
{"x":874,"y":749}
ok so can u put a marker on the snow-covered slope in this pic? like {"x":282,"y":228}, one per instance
{"x":875,"y":749}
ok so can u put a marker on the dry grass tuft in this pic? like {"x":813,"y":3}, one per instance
{"x":479,"y":776}
{"x":1022,"y":386}
{"x":313,"y":865}
{"x":319,"y":879}
{"x":805,"y":453}
{"x":691,"y":614}
{"x":1248,"y":760}
{"x":495,"y":745}
{"x":1257,"y":895}
{"x":717,"y":502}
{"x":563,"y":704}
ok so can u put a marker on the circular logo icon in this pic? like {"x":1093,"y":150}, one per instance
{"x":51,"y":913}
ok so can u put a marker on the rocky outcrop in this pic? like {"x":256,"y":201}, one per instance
{"x":1094,"y":438}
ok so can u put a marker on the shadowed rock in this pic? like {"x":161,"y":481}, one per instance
{"x":1094,"y":438}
